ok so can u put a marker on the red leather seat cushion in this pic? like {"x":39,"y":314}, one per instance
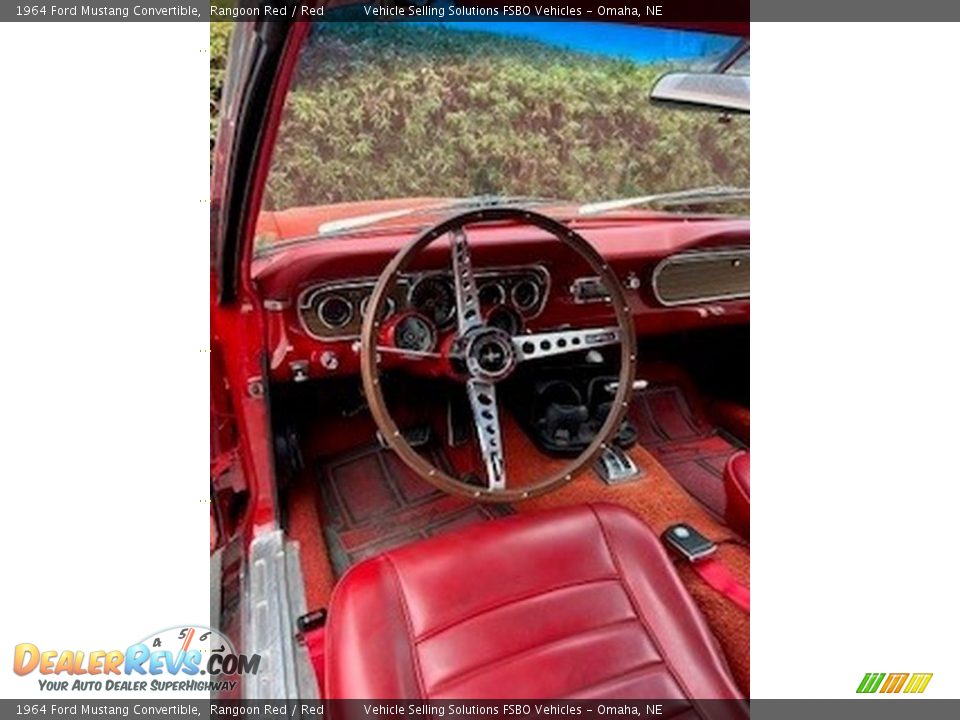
{"x":579,"y":602}
{"x":736,"y":480}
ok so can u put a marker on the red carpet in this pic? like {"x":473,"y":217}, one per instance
{"x":304,"y":526}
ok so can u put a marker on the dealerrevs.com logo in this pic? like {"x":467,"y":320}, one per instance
{"x":910,"y":683}
{"x":190,"y":658}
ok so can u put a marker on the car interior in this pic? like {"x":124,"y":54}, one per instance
{"x":678,"y":456}
{"x":511,"y":434}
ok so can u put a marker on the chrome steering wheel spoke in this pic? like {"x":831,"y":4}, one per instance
{"x":486,"y":421}
{"x":533,"y":346}
{"x":464,"y":284}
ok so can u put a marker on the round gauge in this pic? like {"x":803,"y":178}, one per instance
{"x":435,"y":298}
{"x":526,"y":295}
{"x":334,"y":311}
{"x":505,"y":318}
{"x":389,"y":307}
{"x":492,"y":293}
{"x":414,"y":332}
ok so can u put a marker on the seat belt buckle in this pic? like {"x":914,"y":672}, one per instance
{"x":686,"y":541}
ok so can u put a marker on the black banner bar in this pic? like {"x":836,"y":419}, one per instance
{"x":655,"y":11}
{"x":852,"y":709}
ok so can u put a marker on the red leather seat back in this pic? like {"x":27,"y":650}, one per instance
{"x":577,"y":602}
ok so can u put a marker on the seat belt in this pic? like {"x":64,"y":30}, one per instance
{"x":718,"y":576}
{"x":312,"y":632}
{"x":697,"y":550}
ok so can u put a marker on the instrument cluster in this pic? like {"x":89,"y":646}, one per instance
{"x":508,"y":296}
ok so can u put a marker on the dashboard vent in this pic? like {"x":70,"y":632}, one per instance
{"x":703,"y":276}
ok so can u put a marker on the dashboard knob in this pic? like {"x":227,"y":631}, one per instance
{"x":329,"y":360}
{"x":300,"y":370}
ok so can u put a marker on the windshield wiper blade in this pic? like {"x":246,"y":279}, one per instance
{"x":695,"y":196}
{"x":339,"y":227}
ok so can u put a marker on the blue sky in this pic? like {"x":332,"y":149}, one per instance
{"x":640,"y":44}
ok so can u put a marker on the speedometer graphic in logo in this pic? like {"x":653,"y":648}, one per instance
{"x":192,"y":650}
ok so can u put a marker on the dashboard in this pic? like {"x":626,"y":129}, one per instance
{"x":679,"y":274}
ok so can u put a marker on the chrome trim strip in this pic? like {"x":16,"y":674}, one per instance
{"x":305,"y":302}
{"x":693,"y":257}
{"x":305,"y":298}
{"x":531,"y":346}
{"x":272,"y":591}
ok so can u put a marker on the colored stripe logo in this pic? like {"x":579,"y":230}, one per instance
{"x":894,"y":682}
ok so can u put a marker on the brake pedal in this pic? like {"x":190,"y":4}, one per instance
{"x":416,"y":436}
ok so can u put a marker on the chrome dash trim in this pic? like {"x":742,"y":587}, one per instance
{"x":405,"y":282}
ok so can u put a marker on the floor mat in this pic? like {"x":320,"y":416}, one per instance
{"x":674,"y":430}
{"x":372,"y":502}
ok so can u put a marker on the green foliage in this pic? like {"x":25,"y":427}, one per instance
{"x":219,"y":44}
{"x":387,"y":110}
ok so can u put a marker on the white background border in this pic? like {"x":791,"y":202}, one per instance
{"x":104,"y":296}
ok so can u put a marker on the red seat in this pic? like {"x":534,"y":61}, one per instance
{"x":736,"y":482}
{"x":580,"y":602}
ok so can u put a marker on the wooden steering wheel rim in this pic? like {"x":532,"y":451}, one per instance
{"x":371,"y":376}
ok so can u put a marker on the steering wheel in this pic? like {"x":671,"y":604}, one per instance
{"x":481,"y":356}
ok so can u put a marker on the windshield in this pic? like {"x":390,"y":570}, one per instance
{"x":386,"y":118}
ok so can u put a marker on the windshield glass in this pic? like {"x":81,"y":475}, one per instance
{"x":385,"y":117}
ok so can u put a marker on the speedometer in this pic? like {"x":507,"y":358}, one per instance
{"x":435,"y":298}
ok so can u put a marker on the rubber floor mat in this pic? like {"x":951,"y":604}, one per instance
{"x":371,"y":502}
{"x":684,"y":442}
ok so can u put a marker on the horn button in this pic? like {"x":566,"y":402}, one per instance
{"x":489,"y":354}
